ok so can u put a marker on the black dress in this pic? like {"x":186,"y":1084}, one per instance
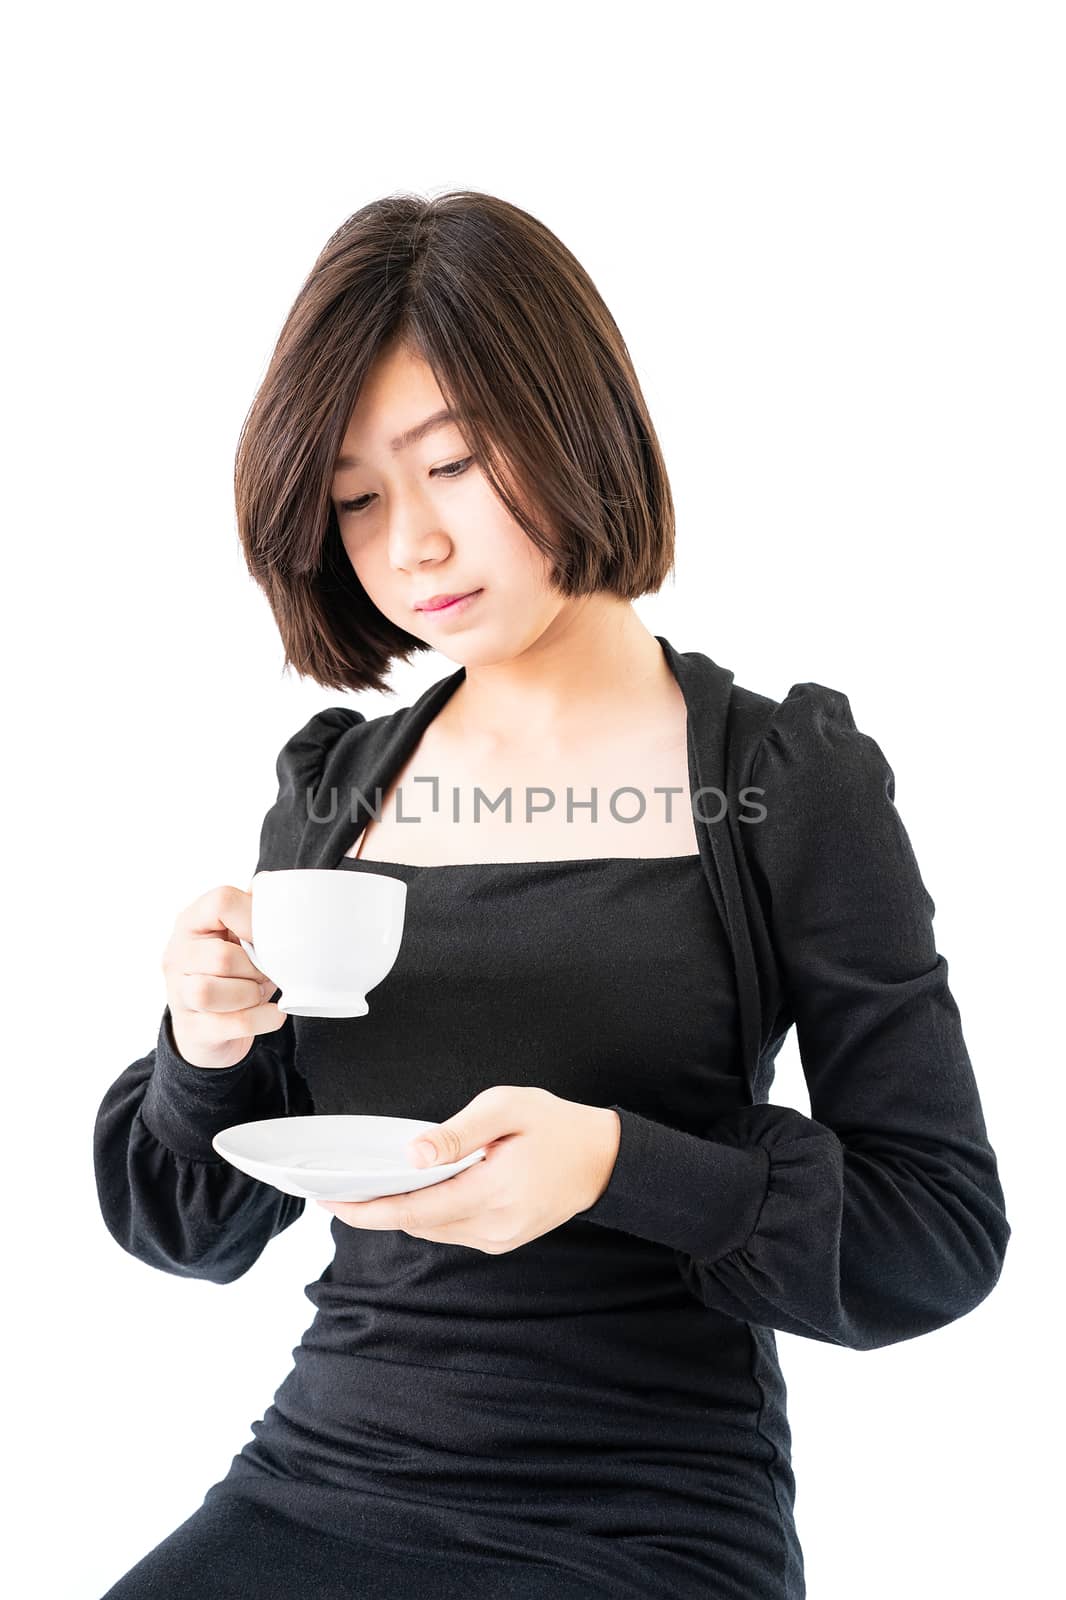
{"x":600,"y":1411}
{"x":569,"y":1404}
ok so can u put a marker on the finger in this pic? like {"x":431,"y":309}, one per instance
{"x":224,"y":910}
{"x":451,"y":1200}
{"x":199,"y":991}
{"x":372,"y":1214}
{"x":217,"y":958}
{"x":467,"y":1232}
{"x":217,"y":1027}
{"x":460,"y":1230}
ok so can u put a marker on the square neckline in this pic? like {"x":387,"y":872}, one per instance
{"x":433,"y":702}
{"x":571,"y":861}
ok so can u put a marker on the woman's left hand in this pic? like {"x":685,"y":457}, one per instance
{"x":545,"y":1160}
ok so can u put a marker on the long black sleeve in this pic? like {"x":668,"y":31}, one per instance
{"x":881,"y":1216}
{"x":165,"y":1194}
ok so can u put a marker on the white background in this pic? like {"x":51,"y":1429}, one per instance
{"x":832,"y":237}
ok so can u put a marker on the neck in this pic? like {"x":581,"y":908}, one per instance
{"x":594,"y":669}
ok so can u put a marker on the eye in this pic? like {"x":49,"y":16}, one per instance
{"x":453,"y":469}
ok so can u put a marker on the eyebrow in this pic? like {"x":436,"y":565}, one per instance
{"x":412,"y":435}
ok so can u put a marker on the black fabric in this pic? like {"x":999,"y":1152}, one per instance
{"x":231,"y":1548}
{"x":609,"y":1397}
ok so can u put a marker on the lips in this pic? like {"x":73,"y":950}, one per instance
{"x":440,"y":601}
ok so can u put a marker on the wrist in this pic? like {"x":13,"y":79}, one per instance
{"x":608,"y":1134}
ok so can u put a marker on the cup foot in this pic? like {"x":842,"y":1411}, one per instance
{"x":322,"y":1005}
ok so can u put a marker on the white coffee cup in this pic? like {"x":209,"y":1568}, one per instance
{"x":325,"y":936}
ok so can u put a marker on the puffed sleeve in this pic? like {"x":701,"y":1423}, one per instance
{"x":881,"y":1216}
{"x":165,"y":1194}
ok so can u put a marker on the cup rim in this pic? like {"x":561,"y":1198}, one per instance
{"x":329,"y":872}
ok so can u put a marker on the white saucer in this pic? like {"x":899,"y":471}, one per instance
{"x":334,"y":1157}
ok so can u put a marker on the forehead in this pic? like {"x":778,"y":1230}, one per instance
{"x":441,"y":418}
{"x":396,"y":402}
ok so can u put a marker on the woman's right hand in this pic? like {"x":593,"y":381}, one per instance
{"x":219,"y":1000}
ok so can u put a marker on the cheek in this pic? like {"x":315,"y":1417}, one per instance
{"x":371,"y":569}
{"x":349,"y":544}
{"x":504,"y":541}
{"x":359,"y":547}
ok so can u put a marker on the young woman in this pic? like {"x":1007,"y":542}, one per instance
{"x":554,"y":1374}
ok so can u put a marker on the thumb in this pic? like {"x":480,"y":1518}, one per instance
{"x":423,"y":1153}
{"x":461,"y":1135}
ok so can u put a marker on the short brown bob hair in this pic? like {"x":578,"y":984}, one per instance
{"x":525,"y":353}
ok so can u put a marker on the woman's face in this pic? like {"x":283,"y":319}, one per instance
{"x":422,"y":520}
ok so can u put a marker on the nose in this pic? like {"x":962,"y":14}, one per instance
{"x":416,"y":539}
